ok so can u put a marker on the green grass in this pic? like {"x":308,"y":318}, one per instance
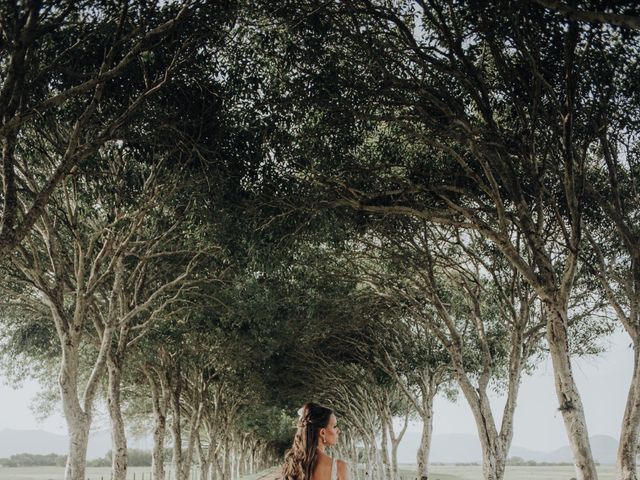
{"x":410,"y":474}
{"x":452,"y":472}
{"x":437,"y":472}
{"x":57,"y":473}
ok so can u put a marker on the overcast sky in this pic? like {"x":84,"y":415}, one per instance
{"x":603,"y":383}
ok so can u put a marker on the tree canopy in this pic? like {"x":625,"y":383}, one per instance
{"x":213,"y":212}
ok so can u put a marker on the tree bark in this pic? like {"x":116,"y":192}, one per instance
{"x":567,"y":391}
{"x":628,"y":445}
{"x":226,"y":473}
{"x":493,"y":451}
{"x":118,"y":437}
{"x":213,"y":463}
{"x":157,"y":456}
{"x":377,"y":470}
{"x":78,"y":418}
{"x":212,"y":451}
{"x":395,"y":475}
{"x":384,"y":450}
{"x":176,"y":429}
{"x":159,"y":401}
{"x":219,"y":468}
{"x":78,"y":426}
{"x":495,"y":444}
{"x":395,"y":443}
{"x":425,"y":440}
{"x":252,"y":464}
{"x":236,"y":457}
{"x":203,"y":457}
{"x":370,"y":448}
{"x":244,"y":448}
{"x":194,"y":428}
{"x":627,"y":308}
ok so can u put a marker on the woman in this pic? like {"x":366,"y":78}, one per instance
{"x":307,"y":458}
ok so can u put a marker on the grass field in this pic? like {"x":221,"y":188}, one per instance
{"x":57,"y":473}
{"x":438,"y":472}
{"x":451,"y":472}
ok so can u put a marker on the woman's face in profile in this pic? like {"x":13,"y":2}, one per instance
{"x":331,"y":431}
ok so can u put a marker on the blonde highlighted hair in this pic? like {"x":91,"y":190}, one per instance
{"x":301,"y":459}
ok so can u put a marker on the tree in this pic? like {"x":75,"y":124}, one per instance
{"x":596,"y":15}
{"x":613,"y":253}
{"x":73,"y":265}
{"x":417,"y":363}
{"x":75,"y":74}
{"x":499,"y":108}
{"x":478,"y":308}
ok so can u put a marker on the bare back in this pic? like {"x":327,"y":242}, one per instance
{"x":326,"y":468}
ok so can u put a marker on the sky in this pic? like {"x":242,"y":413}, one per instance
{"x":603,"y":382}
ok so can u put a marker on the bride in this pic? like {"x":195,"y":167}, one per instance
{"x":307,"y":458}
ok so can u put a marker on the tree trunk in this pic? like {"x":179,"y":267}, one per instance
{"x":236,"y":459}
{"x":493,"y":452}
{"x":219,"y":468}
{"x":384,"y":450}
{"x":377,"y":468}
{"x":212,"y":456}
{"x":194,"y":425}
{"x":628,"y":446}
{"x":226,"y":474}
{"x":78,"y":419}
{"x":493,"y":459}
{"x":358,"y":456}
{"x":78,"y":440}
{"x":157,"y":456}
{"x":204,"y":461}
{"x":425,"y":440}
{"x":234,"y":462}
{"x":493,"y":449}
{"x":118,"y":437}
{"x":252,"y":468}
{"x":396,"y":438}
{"x":176,"y":433}
{"x":212,"y":453}
{"x":243,"y":457}
{"x":371,"y":461}
{"x":567,"y":392}
{"x":247,"y":454}
{"x":394,"y":460}
{"x":159,"y":402}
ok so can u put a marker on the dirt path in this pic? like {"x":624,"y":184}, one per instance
{"x":270,"y":475}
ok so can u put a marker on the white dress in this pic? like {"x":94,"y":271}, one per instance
{"x":334,"y":469}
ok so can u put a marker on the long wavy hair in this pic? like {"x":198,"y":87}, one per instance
{"x":301,"y":459}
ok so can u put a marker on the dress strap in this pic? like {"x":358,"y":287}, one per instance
{"x":334,"y":470}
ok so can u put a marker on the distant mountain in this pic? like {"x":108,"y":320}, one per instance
{"x":43,"y":443}
{"x":527,"y":454}
{"x":450,"y":448}
{"x":604,"y":450}
{"x":31,"y":441}
{"x":463,"y":448}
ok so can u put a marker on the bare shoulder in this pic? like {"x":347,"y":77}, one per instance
{"x":343,"y":470}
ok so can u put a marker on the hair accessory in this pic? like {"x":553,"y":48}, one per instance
{"x":302,"y":421}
